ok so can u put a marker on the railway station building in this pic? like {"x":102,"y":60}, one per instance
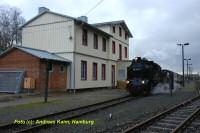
{"x":94,"y":50}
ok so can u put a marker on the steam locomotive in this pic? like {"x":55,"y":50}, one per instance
{"x":144,"y":75}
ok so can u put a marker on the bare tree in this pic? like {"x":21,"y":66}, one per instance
{"x":10,"y":21}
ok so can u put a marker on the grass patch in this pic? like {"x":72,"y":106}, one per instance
{"x":13,"y":109}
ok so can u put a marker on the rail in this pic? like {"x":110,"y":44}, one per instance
{"x":149,"y":122}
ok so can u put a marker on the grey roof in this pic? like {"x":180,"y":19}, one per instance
{"x":122,"y":22}
{"x":42,"y":54}
{"x":78,"y":21}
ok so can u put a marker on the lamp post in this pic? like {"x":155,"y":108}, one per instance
{"x":182,"y":45}
{"x":187,"y":66}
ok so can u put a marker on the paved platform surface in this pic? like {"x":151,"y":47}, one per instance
{"x":13,"y":106}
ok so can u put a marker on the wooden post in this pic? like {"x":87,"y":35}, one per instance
{"x":47,"y":82}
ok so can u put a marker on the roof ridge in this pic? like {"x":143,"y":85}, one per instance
{"x":109,"y":21}
{"x":63,"y":15}
{"x":38,"y":15}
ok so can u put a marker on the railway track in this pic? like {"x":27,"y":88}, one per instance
{"x":194,"y":126}
{"x":180,"y":118}
{"x":63,"y":115}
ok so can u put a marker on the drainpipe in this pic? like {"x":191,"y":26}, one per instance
{"x":74,"y":54}
{"x":70,"y":75}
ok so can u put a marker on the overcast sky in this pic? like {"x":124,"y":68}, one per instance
{"x":157,"y":25}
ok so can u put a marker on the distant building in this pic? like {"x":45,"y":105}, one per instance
{"x":194,"y":76}
{"x":95,"y":50}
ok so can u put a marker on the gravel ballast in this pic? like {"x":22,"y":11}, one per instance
{"x":124,"y":114}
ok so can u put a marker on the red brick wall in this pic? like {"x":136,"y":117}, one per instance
{"x":57,"y":79}
{"x":17,"y":59}
{"x":35,"y":68}
{"x":42,"y":75}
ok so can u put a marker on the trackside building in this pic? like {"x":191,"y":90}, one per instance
{"x":94,"y":50}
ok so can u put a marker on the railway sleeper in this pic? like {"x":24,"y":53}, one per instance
{"x":159,"y":129}
{"x":190,"y":131}
{"x":174,"y":118}
{"x":194,"y":107}
{"x":164,"y":124}
{"x":180,"y":116}
{"x":198,"y":119}
{"x":170,"y":121}
{"x":148,"y":132}
{"x":183,"y":112}
{"x":195,"y":103}
{"x":192,"y":128}
{"x":191,"y":108}
{"x":186,"y":110}
{"x":196,"y":123}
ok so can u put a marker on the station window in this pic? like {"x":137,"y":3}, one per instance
{"x":120,"y":31}
{"x":104,"y":44}
{"x":95,"y":71}
{"x":83,"y":70}
{"x":50,"y":67}
{"x":120,"y":51}
{"x":62,"y":68}
{"x":113,"y":28}
{"x":95,"y":41}
{"x":103,"y":72}
{"x":113,"y":47}
{"x":126,"y":36}
{"x":84,"y":37}
{"x":125,"y":52}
